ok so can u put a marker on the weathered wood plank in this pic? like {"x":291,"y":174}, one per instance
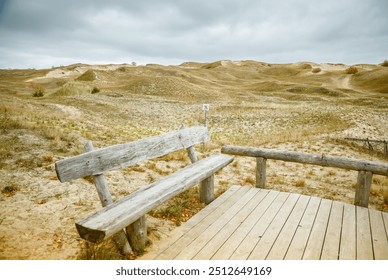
{"x":314,"y":245}
{"x":364,"y":182}
{"x":192,"y":249}
{"x":348,"y":234}
{"x":331,"y":246}
{"x":316,"y":159}
{"x":363,"y":233}
{"x":190,"y":224}
{"x":280,"y":246}
{"x":218,"y":240}
{"x":137,"y":234}
{"x":125,"y":211}
{"x":261,"y":172}
{"x":201,"y":226}
{"x":100,"y":182}
{"x":105,"y":197}
{"x":385,"y":219}
{"x":265,"y":243}
{"x":206,"y":190}
{"x":230,"y":245}
{"x":192,"y":154}
{"x":379,"y":236}
{"x":245,"y":248}
{"x":301,"y":237}
{"x":122,"y":155}
{"x":249,"y":226}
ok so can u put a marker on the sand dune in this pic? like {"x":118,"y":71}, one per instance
{"x":303,"y":106}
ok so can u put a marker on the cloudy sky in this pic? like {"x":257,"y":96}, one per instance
{"x":46,"y":33}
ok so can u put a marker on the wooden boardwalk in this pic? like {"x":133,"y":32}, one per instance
{"x":251,"y":223}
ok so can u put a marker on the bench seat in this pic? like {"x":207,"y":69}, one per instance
{"x":118,"y":215}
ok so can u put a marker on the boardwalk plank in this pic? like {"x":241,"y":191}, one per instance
{"x":189,"y":237}
{"x":299,"y":241}
{"x":280,"y":247}
{"x":364,"y":238}
{"x":314,"y":245}
{"x":331,"y":245}
{"x":200,"y":241}
{"x":265,"y":224}
{"x":265,"y":243}
{"x":245,"y":248}
{"x":379,"y":236}
{"x":263,"y":246}
{"x":348,"y":234}
{"x":216,"y":242}
{"x":385,"y":218}
{"x":232,"y":193}
{"x":228,"y":248}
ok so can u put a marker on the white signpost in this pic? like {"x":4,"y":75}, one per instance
{"x":205,"y":108}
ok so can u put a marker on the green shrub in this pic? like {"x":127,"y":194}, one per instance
{"x":385,"y":63}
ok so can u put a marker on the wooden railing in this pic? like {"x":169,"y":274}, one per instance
{"x":365,"y":169}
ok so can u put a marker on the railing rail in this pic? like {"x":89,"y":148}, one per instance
{"x":365,"y":168}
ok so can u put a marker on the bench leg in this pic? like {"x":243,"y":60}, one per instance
{"x":137,"y":235}
{"x":121,"y":242}
{"x":206,"y":190}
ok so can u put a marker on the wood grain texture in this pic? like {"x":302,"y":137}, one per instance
{"x":261,"y":172}
{"x":364,"y":182}
{"x":103,"y":192}
{"x":316,"y":159}
{"x":125,"y":211}
{"x":100,"y":182}
{"x":261,"y":224}
{"x":137,"y":234}
{"x":123,"y":155}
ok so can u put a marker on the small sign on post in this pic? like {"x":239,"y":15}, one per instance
{"x":205,"y":108}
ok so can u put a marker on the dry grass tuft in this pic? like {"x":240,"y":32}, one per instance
{"x":10,"y":190}
{"x":351,"y":70}
{"x":180,"y":208}
{"x":300,"y":183}
{"x":104,"y":251}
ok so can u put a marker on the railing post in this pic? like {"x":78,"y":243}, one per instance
{"x":364,"y":182}
{"x":261,"y":167}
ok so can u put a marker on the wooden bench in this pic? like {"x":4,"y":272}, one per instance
{"x":129,"y":212}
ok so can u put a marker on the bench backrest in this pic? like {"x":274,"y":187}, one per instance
{"x":119,"y":156}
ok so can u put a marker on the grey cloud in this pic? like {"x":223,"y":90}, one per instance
{"x":175,"y":31}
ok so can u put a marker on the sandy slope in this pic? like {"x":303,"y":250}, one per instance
{"x":252,"y":103}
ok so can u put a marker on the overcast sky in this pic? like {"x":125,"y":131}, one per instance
{"x":46,"y":33}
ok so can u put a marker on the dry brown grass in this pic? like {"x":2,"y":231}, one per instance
{"x":351,"y":70}
{"x":252,"y":103}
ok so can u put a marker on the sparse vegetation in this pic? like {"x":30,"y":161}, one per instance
{"x":316,"y":70}
{"x":73,"y":88}
{"x":351,"y":70}
{"x":104,"y":251}
{"x":253,"y":104}
{"x":7,"y":122}
{"x":180,"y":208}
{"x":39,"y":90}
{"x":300,"y":183}
{"x":95,"y":90}
{"x":10,"y":190}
